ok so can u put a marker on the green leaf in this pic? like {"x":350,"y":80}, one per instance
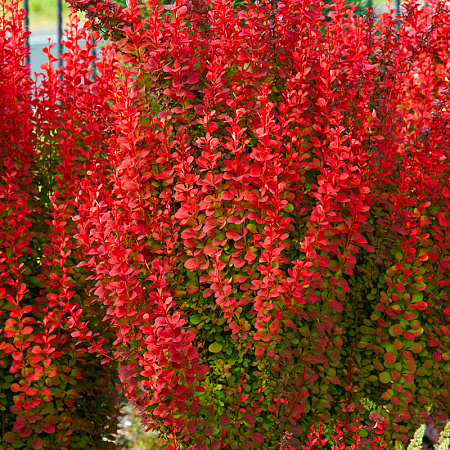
{"x":195,"y":320}
{"x":289,"y":208}
{"x":385,"y":377}
{"x":215,"y":347}
{"x":10,"y":437}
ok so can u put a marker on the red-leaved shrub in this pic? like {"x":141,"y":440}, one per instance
{"x":275,"y":207}
{"x":53,"y":393}
{"x":261,"y":199}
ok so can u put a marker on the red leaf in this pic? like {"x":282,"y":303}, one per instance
{"x":443,"y":221}
{"x":21,"y":288}
{"x":25,"y":431}
{"x":191,"y":264}
{"x":338,"y":307}
{"x":9,"y":348}
{"x":37,"y":443}
{"x":421,"y":305}
{"x":274,"y":325}
{"x":20,"y":423}
{"x":389,"y":357}
{"x":224,"y":420}
{"x":191,"y":426}
{"x":49,"y":428}
{"x":249,"y":256}
{"x":409,"y":377}
{"x":434,"y":342}
{"x":203,"y":370}
{"x":192,"y":289}
{"x":233,"y":234}
{"x":342,"y":283}
{"x":410,"y":336}
{"x":31,"y":391}
{"x":192,"y":353}
{"x":257,"y":437}
{"x":250,"y":418}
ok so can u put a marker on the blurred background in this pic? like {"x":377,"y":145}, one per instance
{"x":43,"y":24}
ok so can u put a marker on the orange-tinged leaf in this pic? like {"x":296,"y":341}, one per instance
{"x":389,"y":357}
{"x":191,"y":264}
{"x":11,"y":437}
{"x":416,"y":347}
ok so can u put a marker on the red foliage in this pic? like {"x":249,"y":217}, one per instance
{"x":264,"y":198}
{"x":283,"y":173}
{"x":289,"y":174}
{"x":48,"y":383}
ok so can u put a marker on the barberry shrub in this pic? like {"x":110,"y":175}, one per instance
{"x":261,"y":200}
{"x":270,"y":233}
{"x":54,"y":394}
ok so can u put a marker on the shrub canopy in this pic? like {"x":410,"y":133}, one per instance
{"x":260,"y":199}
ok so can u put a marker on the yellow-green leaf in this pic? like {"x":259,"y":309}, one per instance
{"x":195,"y":320}
{"x":385,"y":377}
{"x":215,"y":347}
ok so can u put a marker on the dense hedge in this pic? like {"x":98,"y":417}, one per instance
{"x":53,"y":393}
{"x":261,"y":200}
{"x":277,"y":218}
